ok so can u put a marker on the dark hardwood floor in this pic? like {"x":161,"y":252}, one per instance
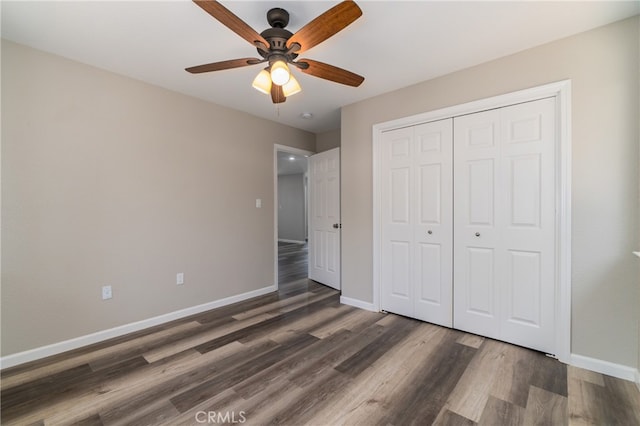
{"x":292,"y":262}
{"x":298,"y":356}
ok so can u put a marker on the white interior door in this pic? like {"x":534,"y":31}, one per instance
{"x":504,"y":241}
{"x":324,"y":218}
{"x":416,"y":222}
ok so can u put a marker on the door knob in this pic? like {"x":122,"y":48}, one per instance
{"x":429,"y":232}
{"x":336,"y":225}
{"x":477,"y":234}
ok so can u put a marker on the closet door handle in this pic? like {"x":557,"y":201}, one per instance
{"x":477,"y":234}
{"x":429,"y":232}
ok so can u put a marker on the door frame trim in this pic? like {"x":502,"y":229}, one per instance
{"x":291,"y":150}
{"x":561,"y":90}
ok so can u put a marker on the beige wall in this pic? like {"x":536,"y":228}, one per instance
{"x":327,"y":140}
{"x":107,"y":180}
{"x":603,"y":67}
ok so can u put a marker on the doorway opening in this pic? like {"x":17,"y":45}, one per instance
{"x":291,"y":214}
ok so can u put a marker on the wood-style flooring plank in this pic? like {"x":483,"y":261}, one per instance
{"x":230,"y":378}
{"x":269,"y":325}
{"x":213,"y":363}
{"x":585,"y":375}
{"x":391,"y":336}
{"x":84,"y":404}
{"x":93,"y":420}
{"x":313,"y":371}
{"x":275,"y":306}
{"x":545,"y":408}
{"x":288,"y":367}
{"x":499,"y":412}
{"x":549,"y":374}
{"x":582,"y":401}
{"x":471,"y":392}
{"x":431,"y":386}
{"x":314,"y":399}
{"x":615,"y":403}
{"x":375,"y":389}
{"x":622,"y":397}
{"x":201,"y":338}
{"x":85,"y":358}
{"x":354,"y":320}
{"x":513,"y":378}
{"x":150,"y":415}
{"x":449,"y":418}
{"x":307,"y":323}
{"x":471,"y":340}
{"x":263,"y":407}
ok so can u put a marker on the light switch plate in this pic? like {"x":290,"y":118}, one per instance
{"x":106,"y":292}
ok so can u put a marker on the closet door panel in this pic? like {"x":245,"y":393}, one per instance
{"x":504,"y":231}
{"x":528,"y":173}
{"x":476,"y":215}
{"x":397,"y":219}
{"x":416,"y":222}
{"x":433,"y":230}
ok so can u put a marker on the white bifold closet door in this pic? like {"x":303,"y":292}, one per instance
{"x":467,"y":223}
{"x":504,"y":224}
{"x":416,"y":222}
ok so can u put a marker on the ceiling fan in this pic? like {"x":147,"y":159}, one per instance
{"x":280,"y":48}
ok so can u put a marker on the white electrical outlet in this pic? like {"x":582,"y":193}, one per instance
{"x":106,"y":292}
{"x":180,"y":278}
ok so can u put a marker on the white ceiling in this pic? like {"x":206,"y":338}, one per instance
{"x":393,"y":45}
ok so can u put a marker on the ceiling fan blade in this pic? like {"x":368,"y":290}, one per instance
{"x":329,"y":72}
{"x":231,"y":21}
{"x":325,"y":25}
{"x":223,"y":65}
{"x":277,"y":95}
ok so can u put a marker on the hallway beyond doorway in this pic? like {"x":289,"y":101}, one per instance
{"x":293,"y":261}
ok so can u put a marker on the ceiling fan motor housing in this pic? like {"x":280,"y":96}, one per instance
{"x":277,"y":37}
{"x":278,"y":17}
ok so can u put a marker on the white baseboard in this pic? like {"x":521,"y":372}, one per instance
{"x":358,"y":303}
{"x":89,"y":339}
{"x":605,"y":367}
{"x":281,"y":240}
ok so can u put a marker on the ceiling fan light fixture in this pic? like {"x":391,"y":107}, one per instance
{"x":280,"y":74}
{"x":291,"y":87}
{"x":262,"y":82}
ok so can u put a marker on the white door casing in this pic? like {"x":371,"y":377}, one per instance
{"x":504,"y":243}
{"x":324,"y":218}
{"x":416,"y":222}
